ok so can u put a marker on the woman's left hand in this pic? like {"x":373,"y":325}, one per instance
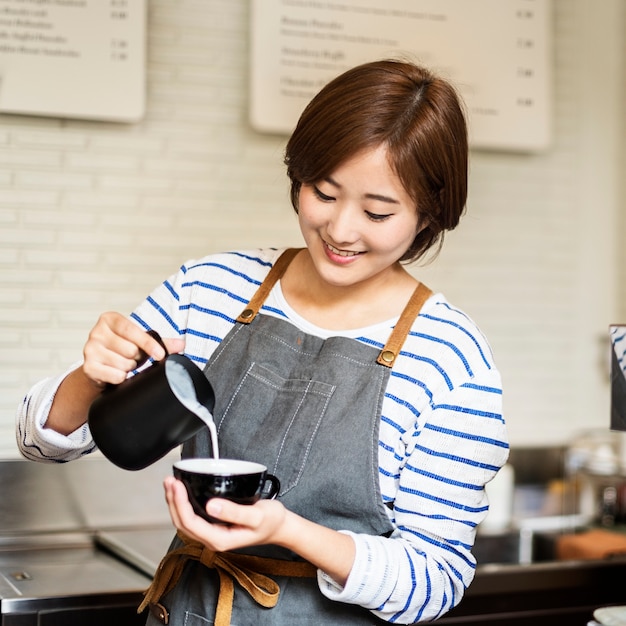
{"x":266,"y":522}
{"x":248,"y":525}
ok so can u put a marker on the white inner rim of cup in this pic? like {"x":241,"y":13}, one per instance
{"x":219,"y":466}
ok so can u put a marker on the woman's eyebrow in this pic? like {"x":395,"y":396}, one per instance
{"x":369,"y":196}
{"x":381,"y":198}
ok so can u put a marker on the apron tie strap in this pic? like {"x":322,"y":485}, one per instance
{"x":249,"y":571}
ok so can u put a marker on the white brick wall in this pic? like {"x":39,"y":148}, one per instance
{"x":94,"y":215}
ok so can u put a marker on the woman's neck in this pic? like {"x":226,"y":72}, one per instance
{"x":343,"y":307}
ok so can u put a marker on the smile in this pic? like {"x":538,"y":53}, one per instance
{"x":341,"y":252}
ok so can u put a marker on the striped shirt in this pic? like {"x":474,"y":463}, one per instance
{"x":442,"y":435}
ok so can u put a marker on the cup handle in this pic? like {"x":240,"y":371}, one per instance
{"x":274,"y":487}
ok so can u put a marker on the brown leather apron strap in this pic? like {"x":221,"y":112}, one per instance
{"x":278,"y":269}
{"x":390,"y":351}
{"x":249,"y":571}
{"x":392,"y":348}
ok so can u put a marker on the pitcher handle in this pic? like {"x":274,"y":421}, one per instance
{"x":144,"y":357}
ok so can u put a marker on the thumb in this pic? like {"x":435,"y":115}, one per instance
{"x":175,"y":345}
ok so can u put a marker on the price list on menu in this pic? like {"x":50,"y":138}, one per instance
{"x":73,"y":58}
{"x":496,"y":52}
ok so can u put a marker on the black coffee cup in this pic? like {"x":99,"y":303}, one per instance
{"x":243,"y":482}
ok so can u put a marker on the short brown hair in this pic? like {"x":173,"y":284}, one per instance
{"x":418,"y":116}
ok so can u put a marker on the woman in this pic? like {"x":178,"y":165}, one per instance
{"x":375,"y":401}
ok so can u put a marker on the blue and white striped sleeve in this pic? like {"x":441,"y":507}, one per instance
{"x":423,"y":569}
{"x":38,"y":443}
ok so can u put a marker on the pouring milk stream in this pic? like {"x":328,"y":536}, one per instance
{"x":182,"y":387}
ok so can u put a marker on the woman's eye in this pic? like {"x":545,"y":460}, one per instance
{"x":377,"y":217}
{"x":322,"y":196}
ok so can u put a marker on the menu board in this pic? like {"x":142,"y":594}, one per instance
{"x":73,"y":58}
{"x":496,"y":52}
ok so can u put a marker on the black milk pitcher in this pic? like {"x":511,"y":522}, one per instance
{"x":140,"y":420}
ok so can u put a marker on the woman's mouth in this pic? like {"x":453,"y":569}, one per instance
{"x":342,"y":253}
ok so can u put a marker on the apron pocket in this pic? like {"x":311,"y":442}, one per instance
{"x":282,"y":417}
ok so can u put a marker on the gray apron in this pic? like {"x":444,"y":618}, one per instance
{"x":309,"y":409}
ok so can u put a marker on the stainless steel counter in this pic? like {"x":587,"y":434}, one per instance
{"x":66,"y":565}
{"x":143,"y":548}
{"x":79,"y":542}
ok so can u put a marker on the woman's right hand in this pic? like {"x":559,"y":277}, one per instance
{"x":116,"y":346}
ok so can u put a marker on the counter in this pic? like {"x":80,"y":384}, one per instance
{"x":558,"y":593}
{"x":56,"y":566}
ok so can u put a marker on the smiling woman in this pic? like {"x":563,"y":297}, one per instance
{"x":415,"y":114}
{"x":356,"y":223}
{"x":375,"y":402}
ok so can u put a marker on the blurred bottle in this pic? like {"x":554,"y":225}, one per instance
{"x":500,"y":492}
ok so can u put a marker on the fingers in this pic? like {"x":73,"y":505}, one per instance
{"x":116,"y":346}
{"x":144,"y":356}
{"x":112,"y":350}
{"x":174,"y":346}
{"x":235,"y":514}
{"x":180,"y":508}
{"x":185,"y":519}
{"x":245,"y":525}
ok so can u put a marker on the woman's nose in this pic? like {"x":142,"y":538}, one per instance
{"x":341,"y":225}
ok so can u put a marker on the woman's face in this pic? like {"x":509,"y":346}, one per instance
{"x":358,"y":222}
